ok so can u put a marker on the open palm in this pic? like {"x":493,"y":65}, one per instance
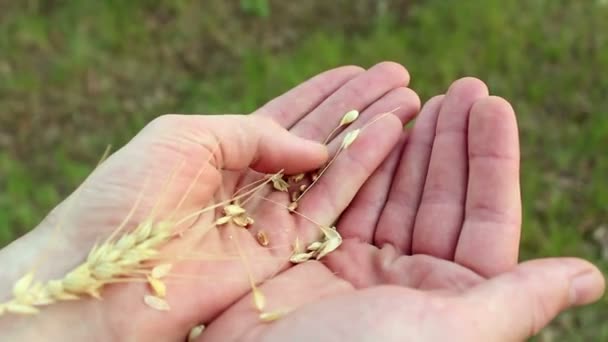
{"x":431,"y":245}
{"x":166,"y":157}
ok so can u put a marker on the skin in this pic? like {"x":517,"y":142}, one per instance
{"x":429,"y":252}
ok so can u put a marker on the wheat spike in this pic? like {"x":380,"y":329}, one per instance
{"x":105,"y":263}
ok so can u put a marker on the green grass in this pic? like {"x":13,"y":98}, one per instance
{"x":75,"y":76}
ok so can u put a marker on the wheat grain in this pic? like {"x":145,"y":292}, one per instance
{"x":236,"y":214}
{"x":294,"y":196}
{"x":195,"y":332}
{"x":299,"y":258}
{"x":349,"y":117}
{"x":332,"y":241}
{"x":156,"y":303}
{"x":349,"y":138}
{"x":279,"y":183}
{"x":297,"y":178}
{"x":262,"y":238}
{"x":259,"y":300}
{"x":159,"y":288}
{"x":314,"y":246}
{"x":160,"y":271}
{"x":271,"y":316}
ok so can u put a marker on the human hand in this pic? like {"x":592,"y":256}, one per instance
{"x":152,"y":167}
{"x":435,"y":258}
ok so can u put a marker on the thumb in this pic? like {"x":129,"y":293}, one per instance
{"x":518,"y":304}
{"x":236,"y":142}
{"x":265,"y":146}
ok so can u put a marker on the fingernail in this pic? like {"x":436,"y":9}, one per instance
{"x":586,"y":287}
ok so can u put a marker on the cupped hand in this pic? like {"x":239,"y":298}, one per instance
{"x":431,"y":245}
{"x":156,"y":170}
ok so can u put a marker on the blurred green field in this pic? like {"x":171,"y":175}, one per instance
{"x":78,"y":75}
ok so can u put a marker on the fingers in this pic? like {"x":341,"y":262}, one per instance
{"x":290,"y":107}
{"x":441,"y":210}
{"x":361,"y":217}
{"x":403,"y":102}
{"x":396,"y":223}
{"x":358,"y":93}
{"x":359,"y":220}
{"x":353,"y":166}
{"x":489,"y":240}
{"x":364,"y":266}
{"x":516,"y":305}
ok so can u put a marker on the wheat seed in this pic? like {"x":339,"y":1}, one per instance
{"x":295,"y":195}
{"x":234,"y":210}
{"x":273,"y":315}
{"x":158,"y":287}
{"x":242,"y":221}
{"x":160,"y":271}
{"x":349,"y":138}
{"x":278,"y":183}
{"x":299,"y":258}
{"x":236,"y":214}
{"x":333,"y":240}
{"x":223,"y":220}
{"x":314,"y":246}
{"x":259,"y":300}
{"x":195,"y":332}
{"x":349,"y":117}
{"x":297,"y":178}
{"x":262,"y":238}
{"x":156,"y":303}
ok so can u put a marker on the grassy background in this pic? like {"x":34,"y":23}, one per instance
{"x":77,"y":75}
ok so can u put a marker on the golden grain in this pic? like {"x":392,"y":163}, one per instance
{"x":160,"y":271}
{"x":278,"y":183}
{"x":158,"y":287}
{"x":156,"y":303}
{"x":262,"y":238}
{"x":333,"y":240}
{"x":299,"y":258}
{"x":259,"y":300}
{"x":195,"y":332}
{"x":349,"y":117}
{"x":234,"y":210}
{"x":314,"y":246}
{"x":297,"y":178}
{"x":273,"y":315}
{"x":294,"y":196}
{"x":349,"y":138}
